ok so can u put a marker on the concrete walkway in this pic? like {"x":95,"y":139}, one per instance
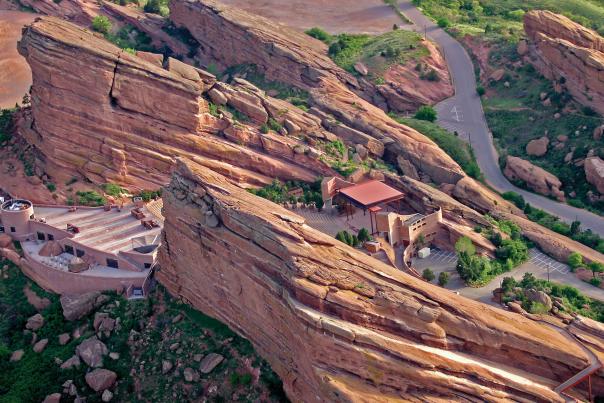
{"x":463,"y":113}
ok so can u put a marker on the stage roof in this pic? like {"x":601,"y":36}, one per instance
{"x":371,"y":193}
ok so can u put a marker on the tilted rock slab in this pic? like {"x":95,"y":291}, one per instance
{"x":124,"y":119}
{"x":537,"y":178}
{"x":561,"y":48}
{"x":230,"y":36}
{"x":338,"y":325}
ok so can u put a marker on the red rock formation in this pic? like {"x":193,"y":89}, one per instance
{"x":122,"y":119}
{"x":292,"y":57}
{"x":560,"y":48}
{"x":337,"y":325}
{"x":535,"y":177}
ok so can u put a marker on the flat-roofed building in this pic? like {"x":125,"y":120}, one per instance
{"x":79,"y":249}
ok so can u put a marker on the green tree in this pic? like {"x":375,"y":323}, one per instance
{"x":364,"y":235}
{"x":319,"y":34}
{"x":465,"y":245}
{"x":596,"y":267}
{"x":575,"y":227}
{"x":508,"y":284}
{"x":428,"y":275}
{"x":426,"y":112}
{"x":101,"y":24}
{"x":153,"y":6}
{"x":480,"y":90}
{"x":443,"y":279}
{"x":443,"y":22}
{"x":575,"y":260}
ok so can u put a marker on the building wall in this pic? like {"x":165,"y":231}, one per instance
{"x":17,"y":220}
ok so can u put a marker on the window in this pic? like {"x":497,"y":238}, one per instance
{"x":51,"y":237}
{"x":12,"y":229}
{"x":69,"y":249}
{"x":31,"y":217}
{"x":79,"y":253}
{"x":41,"y":236}
{"x":147,"y":265}
{"x":1,"y":229}
{"x":112,"y":263}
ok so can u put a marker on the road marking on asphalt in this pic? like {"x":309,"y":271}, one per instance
{"x":458,"y":115}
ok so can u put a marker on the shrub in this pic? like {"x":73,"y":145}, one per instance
{"x":264,"y":128}
{"x":364,"y":235}
{"x":575,"y":260}
{"x":113,"y":189}
{"x":319,"y":34}
{"x":51,"y":187}
{"x":515,"y":198}
{"x":152,"y":6}
{"x":431,"y":75}
{"x":443,"y":22}
{"x":426,"y":113}
{"x":335,"y":148}
{"x":355,"y":241}
{"x":596,"y":267}
{"x":101,"y":24}
{"x":537,"y":308}
{"x":465,"y":245}
{"x":90,"y":198}
{"x":480,"y":90}
{"x":595,"y":281}
{"x":443,"y":279}
{"x":274,"y":125}
{"x":428,"y":275}
{"x":213,"y":109}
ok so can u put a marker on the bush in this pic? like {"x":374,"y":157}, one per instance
{"x":152,"y":6}
{"x":319,"y":34}
{"x":443,"y":279}
{"x":51,"y":187}
{"x":595,"y":281}
{"x":465,"y":245}
{"x":364,"y":235}
{"x":428,"y":275}
{"x":443,"y":22}
{"x":426,"y":113}
{"x":101,"y":24}
{"x":575,"y":260}
{"x":515,"y":198}
{"x":480,"y":90}
{"x":113,"y":189}
{"x":274,"y":125}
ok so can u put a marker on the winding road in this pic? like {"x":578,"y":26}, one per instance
{"x":463,"y":113}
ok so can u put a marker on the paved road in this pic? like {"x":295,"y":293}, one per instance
{"x":464,"y":113}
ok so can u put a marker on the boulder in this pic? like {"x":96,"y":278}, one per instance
{"x":361,"y":68}
{"x":217,"y":97}
{"x":156,"y":59}
{"x":190,"y":375}
{"x":598,"y":132}
{"x":64,"y":338}
{"x":16,"y":355}
{"x":537,"y":147}
{"x":74,"y":361}
{"x":209,"y":362}
{"x":35,"y":322}
{"x":40,"y":346}
{"x":53,"y":398}
{"x":77,"y":306}
{"x":497,"y":75}
{"x":5,"y":241}
{"x":100,"y":379}
{"x":522,"y":47}
{"x":107,"y":396}
{"x":538,"y":296}
{"x":182,"y":69}
{"x":291,"y":127}
{"x":51,"y":248}
{"x":516,"y":307}
{"x":166,"y":366}
{"x":536,"y":178}
{"x":594,"y":172}
{"x":91,"y":351}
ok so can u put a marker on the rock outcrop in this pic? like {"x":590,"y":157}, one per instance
{"x":536,"y":178}
{"x":569,"y":53}
{"x":537,"y":147}
{"x":291,"y":57}
{"x":123,"y":119}
{"x":594,"y":172}
{"x":337,"y":325}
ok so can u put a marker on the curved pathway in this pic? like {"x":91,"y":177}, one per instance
{"x":463,"y":113}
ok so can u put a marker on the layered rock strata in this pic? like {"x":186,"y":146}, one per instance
{"x":337,"y":325}
{"x":294,"y":58}
{"x":569,"y":53}
{"x":123,"y":118}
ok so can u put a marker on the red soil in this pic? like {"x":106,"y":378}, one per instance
{"x":15,"y":75}
{"x":334,"y":16}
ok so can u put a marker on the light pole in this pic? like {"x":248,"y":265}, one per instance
{"x":548,"y":266}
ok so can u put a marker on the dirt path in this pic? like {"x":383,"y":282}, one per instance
{"x":334,"y":16}
{"x":15,"y":75}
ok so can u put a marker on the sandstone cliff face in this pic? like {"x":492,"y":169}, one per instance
{"x":289,"y":56}
{"x":123,"y":119}
{"x":337,"y":325}
{"x":560,"y":48}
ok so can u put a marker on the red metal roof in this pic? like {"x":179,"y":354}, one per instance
{"x":371,"y":193}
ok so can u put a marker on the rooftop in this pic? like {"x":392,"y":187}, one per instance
{"x":371,"y":193}
{"x":109,"y":231}
{"x":16,"y":205}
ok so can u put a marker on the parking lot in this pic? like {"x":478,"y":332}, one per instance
{"x":542,"y":261}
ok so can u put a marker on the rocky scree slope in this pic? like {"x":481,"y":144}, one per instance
{"x":569,"y":53}
{"x":335,"y":324}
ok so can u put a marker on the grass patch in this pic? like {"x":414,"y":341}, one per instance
{"x":278,"y":192}
{"x":6,"y":124}
{"x":459,"y":150}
